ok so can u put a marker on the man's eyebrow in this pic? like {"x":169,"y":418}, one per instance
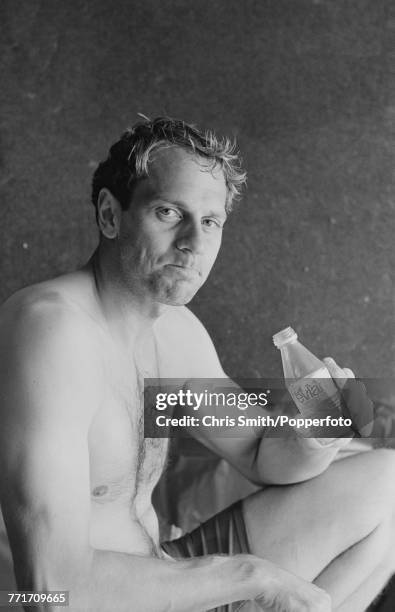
{"x":220,"y":215}
{"x":212,"y":213}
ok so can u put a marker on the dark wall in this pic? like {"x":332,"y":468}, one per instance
{"x":306,"y":88}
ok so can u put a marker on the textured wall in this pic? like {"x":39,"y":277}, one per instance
{"x":306,"y":88}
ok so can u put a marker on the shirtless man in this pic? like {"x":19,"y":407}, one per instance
{"x":76,"y":472}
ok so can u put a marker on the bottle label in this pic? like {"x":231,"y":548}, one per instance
{"x":316,"y":396}
{"x":316,"y":391}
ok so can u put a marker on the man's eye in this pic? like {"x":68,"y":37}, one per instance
{"x":169,"y":214}
{"x":212,"y":223}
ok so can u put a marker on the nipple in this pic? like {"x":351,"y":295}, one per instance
{"x":99,"y":491}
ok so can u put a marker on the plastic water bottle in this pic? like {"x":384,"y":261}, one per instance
{"x":310,"y":385}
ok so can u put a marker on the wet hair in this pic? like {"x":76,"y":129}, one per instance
{"x":128,"y":159}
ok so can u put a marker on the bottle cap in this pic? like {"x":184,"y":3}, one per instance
{"x":284,"y":336}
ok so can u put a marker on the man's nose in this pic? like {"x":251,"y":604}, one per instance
{"x":190,"y":237}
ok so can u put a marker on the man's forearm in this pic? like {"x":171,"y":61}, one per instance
{"x":121,"y":581}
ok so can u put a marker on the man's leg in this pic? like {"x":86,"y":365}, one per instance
{"x":335,"y":529}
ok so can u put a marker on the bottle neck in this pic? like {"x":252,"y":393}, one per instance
{"x":298,"y":361}
{"x":284,"y":336}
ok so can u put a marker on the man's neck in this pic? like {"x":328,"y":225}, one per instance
{"x":129,"y":316}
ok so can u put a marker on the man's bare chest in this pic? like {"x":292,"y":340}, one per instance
{"x":124,"y":466}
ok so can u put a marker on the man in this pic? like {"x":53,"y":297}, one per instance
{"x":77,"y":474}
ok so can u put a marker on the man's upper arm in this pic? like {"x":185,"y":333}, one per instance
{"x":185,"y":347}
{"x":197,"y":363}
{"x":48,"y":392}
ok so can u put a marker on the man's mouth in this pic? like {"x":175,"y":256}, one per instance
{"x":183,"y":268}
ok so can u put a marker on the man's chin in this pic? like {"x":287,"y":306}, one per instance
{"x":179,"y":300}
{"x":176,"y":296}
{"x":175,"y":290}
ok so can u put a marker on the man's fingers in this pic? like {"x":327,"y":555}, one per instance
{"x":359,"y":407}
{"x":356,"y":403}
{"x":289,"y":593}
{"x":339,"y":375}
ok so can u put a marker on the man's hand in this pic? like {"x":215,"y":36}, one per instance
{"x":285,"y":592}
{"x":357,"y":406}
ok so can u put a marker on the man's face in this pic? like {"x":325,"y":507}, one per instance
{"x":171,"y":234}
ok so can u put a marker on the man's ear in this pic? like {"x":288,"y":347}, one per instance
{"x":109,"y":213}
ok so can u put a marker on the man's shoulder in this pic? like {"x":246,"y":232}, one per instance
{"x":49,"y":356}
{"x":186,"y":348}
{"x":44,"y":314}
{"x":182,"y":323}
